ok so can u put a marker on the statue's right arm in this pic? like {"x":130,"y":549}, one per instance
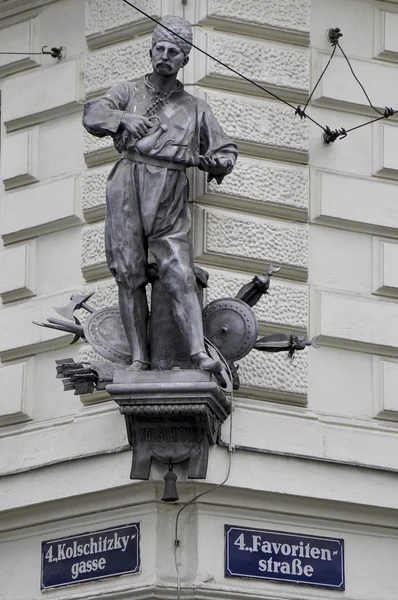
{"x":102,"y":116}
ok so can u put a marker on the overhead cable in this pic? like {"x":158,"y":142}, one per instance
{"x":333,"y":36}
{"x":54,"y":52}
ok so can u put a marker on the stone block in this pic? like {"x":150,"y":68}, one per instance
{"x":58,"y":262}
{"x":106,"y":67}
{"x":13,"y":39}
{"x":339,"y":87}
{"x":261,"y":127}
{"x":93,"y":261}
{"x":340,"y":384}
{"x":385,"y":150}
{"x":20,"y":337}
{"x":228,"y":239}
{"x":18,"y":272}
{"x":88,"y":354}
{"x":93,"y":194}
{"x":384,"y":266}
{"x":105,"y":293}
{"x":337,"y":255}
{"x":98,"y":151}
{"x":40,"y":209}
{"x":75,"y":439}
{"x":55,"y":137}
{"x":390,"y":31}
{"x":260,"y":186}
{"x":20,"y":158}
{"x":355,"y":323}
{"x":385,"y":42}
{"x":109,"y":21}
{"x":42,"y":95}
{"x":385,"y":388}
{"x":357,"y":445}
{"x":16,"y":382}
{"x":274,"y":376}
{"x":274,"y":66}
{"x":258,"y":18}
{"x":355,"y":203}
{"x":285,"y":305}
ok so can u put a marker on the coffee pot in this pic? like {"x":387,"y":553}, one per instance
{"x":148,"y":145}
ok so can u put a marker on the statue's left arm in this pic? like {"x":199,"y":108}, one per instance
{"x":218,"y":153}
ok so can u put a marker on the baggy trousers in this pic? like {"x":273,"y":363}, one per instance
{"x":147,"y":208}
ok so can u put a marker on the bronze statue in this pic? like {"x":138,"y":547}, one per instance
{"x":160,"y":130}
{"x":175,"y":416}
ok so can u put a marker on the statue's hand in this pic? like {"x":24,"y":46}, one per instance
{"x":137,"y":125}
{"x":215,"y":166}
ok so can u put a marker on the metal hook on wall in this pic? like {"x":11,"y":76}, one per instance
{"x":55,"y":52}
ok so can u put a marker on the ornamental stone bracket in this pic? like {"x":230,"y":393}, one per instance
{"x":171,"y":416}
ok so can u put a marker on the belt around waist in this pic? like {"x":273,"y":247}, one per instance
{"x":156,"y":162}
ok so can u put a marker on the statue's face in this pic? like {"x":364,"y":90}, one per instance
{"x":167,"y":58}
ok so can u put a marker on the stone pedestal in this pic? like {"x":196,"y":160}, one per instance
{"x":172,"y":416}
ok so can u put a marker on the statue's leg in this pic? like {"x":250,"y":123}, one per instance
{"x":134,"y":313}
{"x":173,"y":252}
{"x":126,"y":252}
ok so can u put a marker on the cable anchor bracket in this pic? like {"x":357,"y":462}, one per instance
{"x":54,"y":52}
{"x":334,"y":35}
{"x":300,"y":112}
{"x":330,"y":136}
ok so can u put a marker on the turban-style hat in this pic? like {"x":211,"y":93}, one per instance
{"x":180,"y":26}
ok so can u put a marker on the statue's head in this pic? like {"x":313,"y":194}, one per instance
{"x":169,"y":53}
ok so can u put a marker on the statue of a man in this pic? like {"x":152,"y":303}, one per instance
{"x":160,"y":130}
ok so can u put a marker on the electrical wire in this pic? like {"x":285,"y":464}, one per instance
{"x":357,"y":80}
{"x":364,"y":124}
{"x":213,"y":489}
{"x":212,"y":57}
{"x":54,"y":52}
{"x":319,"y":80}
{"x":24,"y":53}
{"x":328,"y":133}
{"x":176,"y":540}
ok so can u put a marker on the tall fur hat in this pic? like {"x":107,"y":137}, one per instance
{"x":180,"y":26}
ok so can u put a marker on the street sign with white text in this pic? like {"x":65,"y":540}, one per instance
{"x":284,"y":557}
{"x":89,"y":556}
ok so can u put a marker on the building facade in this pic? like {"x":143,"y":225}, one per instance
{"x":313,"y":446}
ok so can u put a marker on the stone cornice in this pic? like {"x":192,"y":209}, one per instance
{"x":11,"y":8}
{"x":157,"y":592}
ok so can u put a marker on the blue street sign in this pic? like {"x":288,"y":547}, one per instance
{"x":284,"y":557}
{"x":89,"y":556}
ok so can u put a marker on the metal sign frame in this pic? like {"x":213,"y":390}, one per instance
{"x":227,"y":559}
{"x":46,"y":545}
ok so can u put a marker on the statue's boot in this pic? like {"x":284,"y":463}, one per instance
{"x":138,"y":365}
{"x":204,"y":362}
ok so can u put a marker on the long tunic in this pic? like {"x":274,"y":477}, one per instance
{"x":147,"y":191}
{"x":190,"y":121}
{"x":194,"y":130}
